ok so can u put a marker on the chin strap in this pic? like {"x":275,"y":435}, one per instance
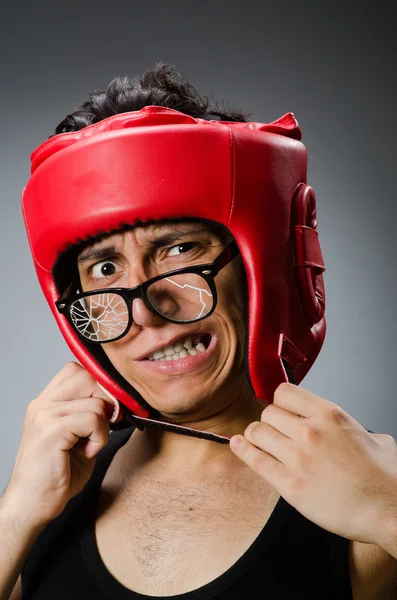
{"x":141,"y":422}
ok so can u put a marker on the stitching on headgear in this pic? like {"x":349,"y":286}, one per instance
{"x":233,"y":174}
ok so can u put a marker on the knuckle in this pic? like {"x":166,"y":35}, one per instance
{"x":248,"y":430}
{"x":72,"y":368}
{"x":38,"y":415}
{"x":389,"y":439}
{"x":251,"y":429}
{"x":311,"y":433}
{"x":100,"y":404}
{"x":263,"y":413}
{"x":32,"y":408}
{"x":270,"y":413}
{"x":269,"y":409}
{"x":283,"y":387}
{"x":336,"y":415}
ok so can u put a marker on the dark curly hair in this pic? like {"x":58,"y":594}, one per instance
{"x":161,"y":86}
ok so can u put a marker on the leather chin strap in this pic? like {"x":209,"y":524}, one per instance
{"x":141,"y":422}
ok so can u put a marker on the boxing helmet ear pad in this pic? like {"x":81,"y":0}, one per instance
{"x":308,"y":259}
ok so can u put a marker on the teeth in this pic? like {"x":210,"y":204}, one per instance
{"x":188,"y":343}
{"x":190,"y":347}
{"x":168,"y":351}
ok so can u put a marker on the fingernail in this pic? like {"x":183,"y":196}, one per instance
{"x":235,"y":441}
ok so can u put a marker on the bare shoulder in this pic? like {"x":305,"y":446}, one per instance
{"x":373,"y":572}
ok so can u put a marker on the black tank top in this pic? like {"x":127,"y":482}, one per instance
{"x":290,"y":558}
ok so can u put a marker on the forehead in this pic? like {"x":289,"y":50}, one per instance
{"x":160,"y":232}
{"x":65,"y":270}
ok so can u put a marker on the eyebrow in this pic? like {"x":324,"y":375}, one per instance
{"x":170,"y":237}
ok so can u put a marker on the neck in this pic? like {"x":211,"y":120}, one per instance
{"x":175,"y":453}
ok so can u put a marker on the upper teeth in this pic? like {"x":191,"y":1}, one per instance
{"x":178,"y":350}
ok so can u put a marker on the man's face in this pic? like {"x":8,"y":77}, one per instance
{"x":194,"y":386}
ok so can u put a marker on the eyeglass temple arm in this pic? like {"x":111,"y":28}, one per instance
{"x":227,"y":255}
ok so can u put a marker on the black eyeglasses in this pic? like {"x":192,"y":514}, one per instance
{"x":181,"y":296}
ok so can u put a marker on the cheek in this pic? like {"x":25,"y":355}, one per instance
{"x":232,"y":305}
{"x":232,"y":292}
{"x":114,"y":353}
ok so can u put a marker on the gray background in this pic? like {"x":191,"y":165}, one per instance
{"x":332,"y":64}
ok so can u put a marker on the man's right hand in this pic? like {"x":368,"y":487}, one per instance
{"x":64,"y":429}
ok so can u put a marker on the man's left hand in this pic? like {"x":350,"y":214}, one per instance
{"x":324,"y":463}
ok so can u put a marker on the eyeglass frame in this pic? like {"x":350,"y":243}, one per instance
{"x":207,"y":271}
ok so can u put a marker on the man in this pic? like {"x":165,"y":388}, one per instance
{"x":152,"y":297}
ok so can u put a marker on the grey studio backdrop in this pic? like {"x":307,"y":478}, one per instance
{"x":332,"y":64}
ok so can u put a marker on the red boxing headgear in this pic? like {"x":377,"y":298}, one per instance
{"x":158,"y":163}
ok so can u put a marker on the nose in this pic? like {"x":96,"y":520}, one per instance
{"x":143,"y":316}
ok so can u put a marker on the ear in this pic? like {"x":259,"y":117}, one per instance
{"x":308,"y":260}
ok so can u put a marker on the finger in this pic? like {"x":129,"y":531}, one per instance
{"x":70,"y":369}
{"x":282,"y":420}
{"x":88,"y":425}
{"x":269,"y":440}
{"x":299,"y":401}
{"x":79,"y":384}
{"x":75,"y":382}
{"x":83,"y":405}
{"x":258,"y":460}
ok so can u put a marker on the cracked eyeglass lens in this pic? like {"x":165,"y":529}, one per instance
{"x":183,"y":297}
{"x":100,"y":317}
{"x":104,"y":317}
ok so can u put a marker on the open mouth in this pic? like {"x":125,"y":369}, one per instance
{"x":185,"y":346}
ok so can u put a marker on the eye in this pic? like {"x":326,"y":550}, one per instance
{"x":181,"y":249}
{"x":105,"y":268}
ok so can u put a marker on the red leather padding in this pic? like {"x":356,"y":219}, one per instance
{"x":308,"y":258}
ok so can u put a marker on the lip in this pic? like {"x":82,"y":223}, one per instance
{"x":172,"y":341}
{"x":182,"y":365}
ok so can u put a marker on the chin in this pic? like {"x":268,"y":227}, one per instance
{"x":181,"y":400}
